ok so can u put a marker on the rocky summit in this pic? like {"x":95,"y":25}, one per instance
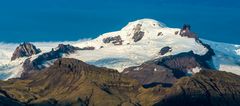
{"x":25,"y":50}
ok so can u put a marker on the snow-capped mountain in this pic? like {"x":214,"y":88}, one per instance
{"x":134,"y":44}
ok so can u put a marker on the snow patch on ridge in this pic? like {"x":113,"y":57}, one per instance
{"x":194,"y":70}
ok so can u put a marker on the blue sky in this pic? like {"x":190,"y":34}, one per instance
{"x":60,"y":20}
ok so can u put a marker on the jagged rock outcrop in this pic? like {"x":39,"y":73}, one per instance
{"x":165,"y":50}
{"x":66,"y":49}
{"x":186,"y":32}
{"x":29,"y":66}
{"x":138,"y":34}
{"x":37,"y":63}
{"x":25,"y":50}
{"x":117,"y":40}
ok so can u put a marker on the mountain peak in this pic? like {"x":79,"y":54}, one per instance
{"x":25,"y":49}
{"x":139,"y":41}
{"x":144,"y":23}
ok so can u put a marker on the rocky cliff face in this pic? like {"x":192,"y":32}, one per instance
{"x":25,"y":50}
{"x":167,"y":69}
{"x":207,"y":88}
{"x":37,"y":63}
{"x":56,"y":53}
{"x":73,"y":82}
{"x":150,"y":74}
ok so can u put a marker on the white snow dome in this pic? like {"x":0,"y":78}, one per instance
{"x":145,"y":24}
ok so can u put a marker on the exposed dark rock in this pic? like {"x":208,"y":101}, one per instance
{"x":117,"y":40}
{"x":165,"y":50}
{"x":66,"y":49}
{"x":25,"y":50}
{"x":88,"y":48}
{"x":149,"y":73}
{"x":182,"y":61}
{"x":186,"y":27}
{"x":28,"y":68}
{"x":37,"y":64}
{"x":186,"y":32}
{"x":138,"y":34}
{"x":207,"y":88}
{"x":169,"y":68}
{"x":208,"y":56}
{"x":176,"y":32}
{"x":160,"y":34}
{"x":185,"y":61}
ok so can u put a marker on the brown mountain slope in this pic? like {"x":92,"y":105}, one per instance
{"x":207,"y":88}
{"x":73,"y":82}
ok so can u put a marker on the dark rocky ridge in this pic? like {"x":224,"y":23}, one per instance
{"x":117,"y":40}
{"x":150,"y":73}
{"x":183,"y":61}
{"x":54,"y":54}
{"x":37,"y":64}
{"x":169,"y":68}
{"x":73,"y":82}
{"x":65,"y":49}
{"x":25,"y":50}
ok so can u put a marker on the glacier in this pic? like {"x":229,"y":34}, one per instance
{"x":156,"y":36}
